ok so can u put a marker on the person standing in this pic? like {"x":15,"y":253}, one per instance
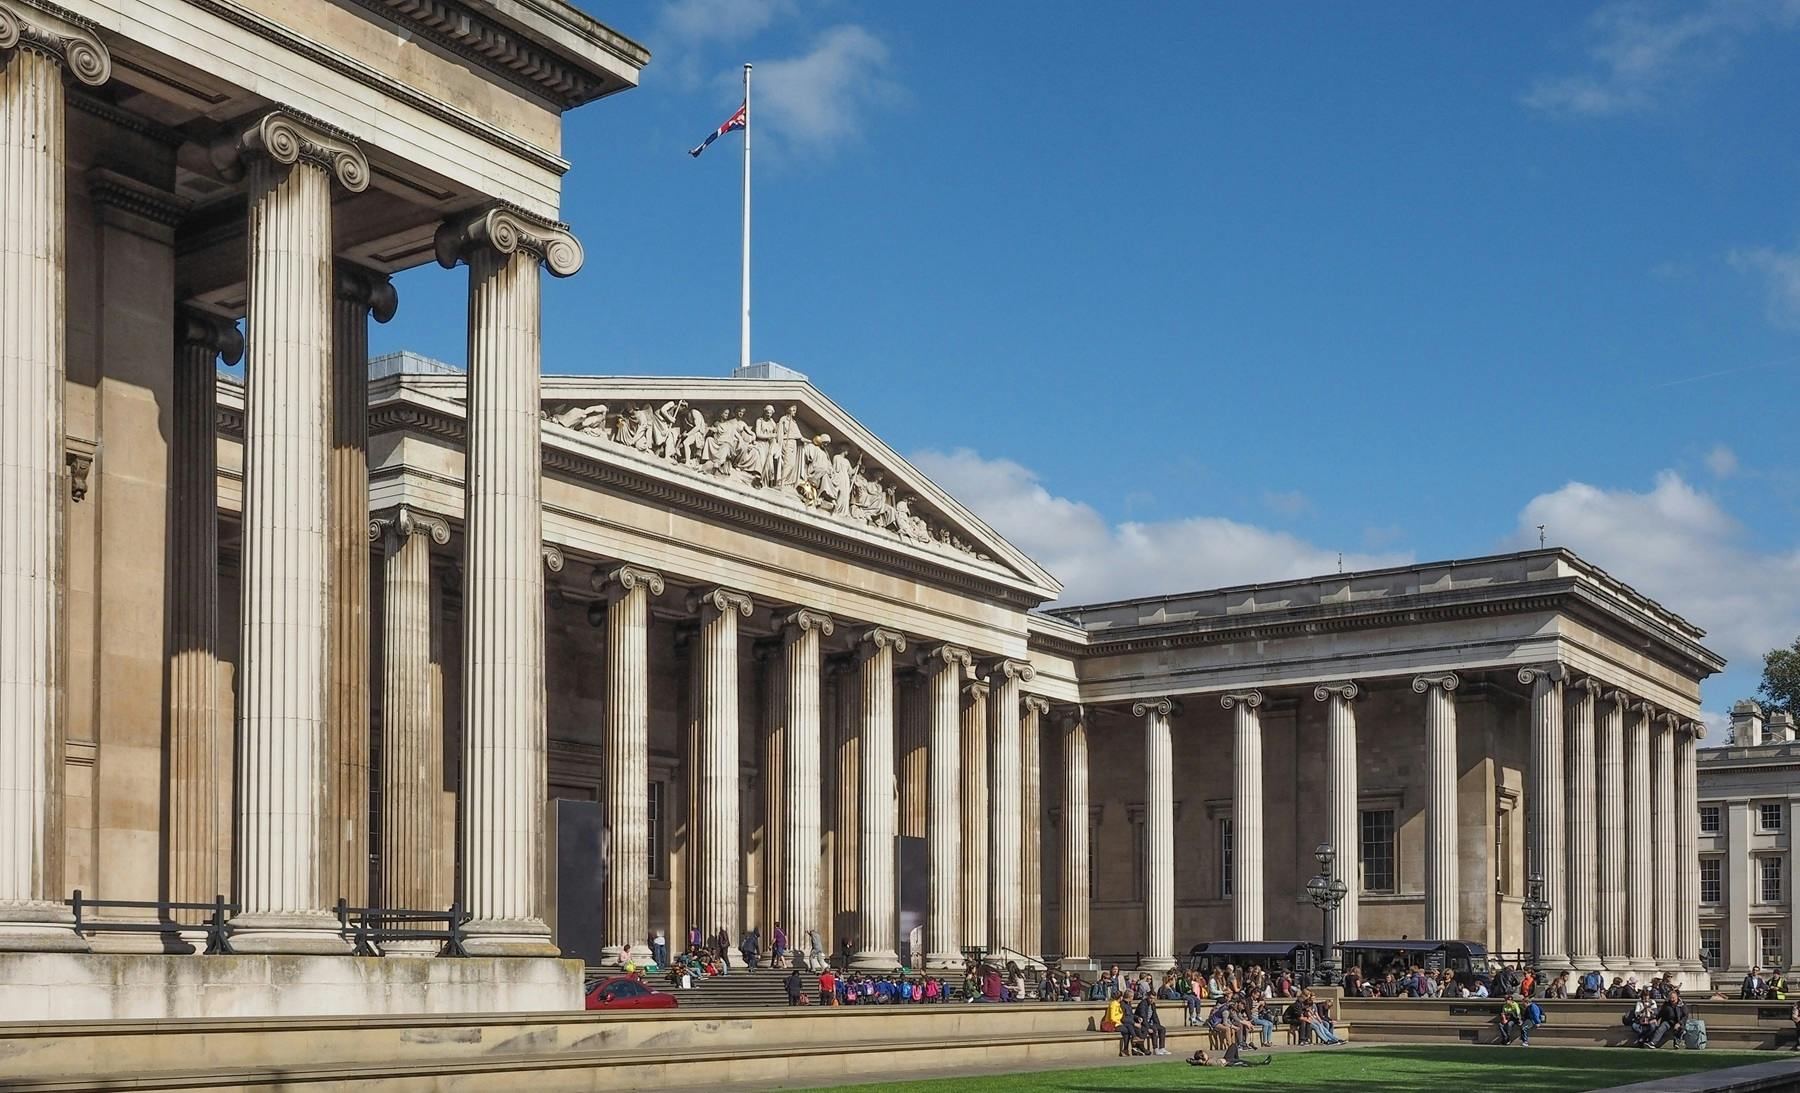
{"x":659,"y":950}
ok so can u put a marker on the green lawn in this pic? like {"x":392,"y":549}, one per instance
{"x":1398,"y":1068}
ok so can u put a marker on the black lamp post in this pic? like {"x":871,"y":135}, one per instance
{"x":1327,"y":893}
{"x":1537,"y":909}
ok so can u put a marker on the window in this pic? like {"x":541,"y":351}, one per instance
{"x":1709,"y":819}
{"x":1378,"y":850}
{"x":1138,"y":859}
{"x":1502,"y":850}
{"x":1709,"y":947}
{"x":1709,"y":879}
{"x":658,"y":863}
{"x":1768,"y":888}
{"x":1225,"y":857}
{"x":1768,"y":947}
{"x":1768,"y":816}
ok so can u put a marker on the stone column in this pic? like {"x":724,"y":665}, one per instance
{"x":1246,"y":815}
{"x":35,"y":50}
{"x":1006,"y":913}
{"x":1159,"y":835}
{"x":1031,"y":809}
{"x":846,"y":871}
{"x":1544,"y":803}
{"x":412,"y":741}
{"x":1583,"y":892}
{"x":1638,"y":862}
{"x":913,"y":722}
{"x":1344,"y":829}
{"x":770,"y":785}
{"x":943,"y":813}
{"x":285,"y":673}
{"x":1666,"y":869}
{"x":1442,"y":891}
{"x":1076,"y":897}
{"x":716,"y":827}
{"x":975,"y":815}
{"x":625,"y":798}
{"x":1615,"y":938}
{"x":880,"y":805}
{"x":359,"y":295}
{"x":503,"y":731}
{"x":1687,"y":854}
{"x":198,"y":758}
{"x":801,"y":690}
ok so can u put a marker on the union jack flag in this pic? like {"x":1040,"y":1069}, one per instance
{"x":736,"y":122}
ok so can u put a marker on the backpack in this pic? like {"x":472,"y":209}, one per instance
{"x":1693,"y":1037}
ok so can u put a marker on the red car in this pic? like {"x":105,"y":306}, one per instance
{"x":622,"y":992}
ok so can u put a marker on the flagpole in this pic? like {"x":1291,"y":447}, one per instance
{"x":744,"y":348}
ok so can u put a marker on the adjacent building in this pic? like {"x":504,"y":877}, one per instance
{"x":1749,"y":800}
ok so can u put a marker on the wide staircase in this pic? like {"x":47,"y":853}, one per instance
{"x":742,"y":988}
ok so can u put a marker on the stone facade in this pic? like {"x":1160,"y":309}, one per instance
{"x":1749,"y":804}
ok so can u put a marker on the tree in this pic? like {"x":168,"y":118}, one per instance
{"x":1780,"y":687}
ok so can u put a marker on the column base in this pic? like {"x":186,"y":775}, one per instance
{"x":941,"y":961}
{"x":1156,"y":964}
{"x":885,"y":960}
{"x":38,"y":926}
{"x":1585,"y":963}
{"x":1078,"y":964}
{"x":509,"y":937}
{"x":311,"y":933}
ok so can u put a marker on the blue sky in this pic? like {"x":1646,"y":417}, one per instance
{"x":1187,"y":294}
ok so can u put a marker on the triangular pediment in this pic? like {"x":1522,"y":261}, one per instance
{"x":783,"y":444}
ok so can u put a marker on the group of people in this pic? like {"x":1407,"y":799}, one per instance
{"x":979,"y":983}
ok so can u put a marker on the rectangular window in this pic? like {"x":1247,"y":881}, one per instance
{"x":1768,"y":947}
{"x":1709,"y":879}
{"x":1768,"y":816}
{"x":1768,"y":888}
{"x":658,"y":867}
{"x":1224,"y":857}
{"x":1378,"y":850}
{"x":1709,"y":947}
{"x":1709,"y":820}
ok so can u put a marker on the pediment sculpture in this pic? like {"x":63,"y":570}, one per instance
{"x":770,"y":452}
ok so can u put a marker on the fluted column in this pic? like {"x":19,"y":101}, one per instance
{"x":35,"y":48}
{"x":624,"y":799}
{"x":912,"y":720}
{"x":846,"y":791}
{"x":1159,"y":835}
{"x":1687,"y":852}
{"x":1031,"y":813}
{"x":412,"y":743}
{"x":801,"y":691}
{"x":716,"y":827}
{"x":943,"y":811}
{"x":974,"y":739}
{"x":1582,"y":774}
{"x":1614,"y":935}
{"x":1544,"y":802}
{"x":880,"y":805}
{"x":285,"y":672}
{"x":1638,"y":835}
{"x":359,"y":295}
{"x":198,"y":765}
{"x":1076,"y":896}
{"x":1442,"y":891}
{"x":1246,"y":815}
{"x":1344,"y":828}
{"x":1666,"y":870}
{"x":1006,"y":835}
{"x":503,"y":729}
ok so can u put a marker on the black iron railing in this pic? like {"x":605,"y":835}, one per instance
{"x":218,"y":938}
{"x":368,"y":928}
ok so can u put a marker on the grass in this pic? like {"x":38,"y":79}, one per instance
{"x":1387,"y":1069}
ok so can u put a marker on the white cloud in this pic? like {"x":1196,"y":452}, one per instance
{"x":1780,"y":271}
{"x":1287,"y":502}
{"x":1721,"y":461}
{"x":1098,"y":560}
{"x":699,"y":22}
{"x":1676,"y":545}
{"x":823,"y":94}
{"x":1640,"y":51}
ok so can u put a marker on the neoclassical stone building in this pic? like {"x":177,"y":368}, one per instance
{"x":591,"y":658}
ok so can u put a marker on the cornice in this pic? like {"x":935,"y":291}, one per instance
{"x":110,"y":188}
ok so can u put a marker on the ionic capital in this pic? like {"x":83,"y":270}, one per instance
{"x":1250,"y":699}
{"x":1036,"y":704}
{"x":1161,"y":707}
{"x":625,"y":579}
{"x":883,"y":638}
{"x":1070,"y":713}
{"x":1553,"y":673}
{"x":288,"y":138}
{"x":1617,"y":698}
{"x":60,"y":35}
{"x":1346,"y":690}
{"x":1696,"y":730}
{"x":509,"y":230}
{"x":396,"y":526}
{"x":721,"y":600}
{"x":1447,"y":681}
{"x":1644,"y":710}
{"x":553,"y":558}
{"x":1586,"y":685}
{"x":366,"y":288}
{"x":807,"y":619}
{"x":1012,"y":669}
{"x":976,"y":689}
{"x":948,"y":658}
{"x":196,"y":329}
